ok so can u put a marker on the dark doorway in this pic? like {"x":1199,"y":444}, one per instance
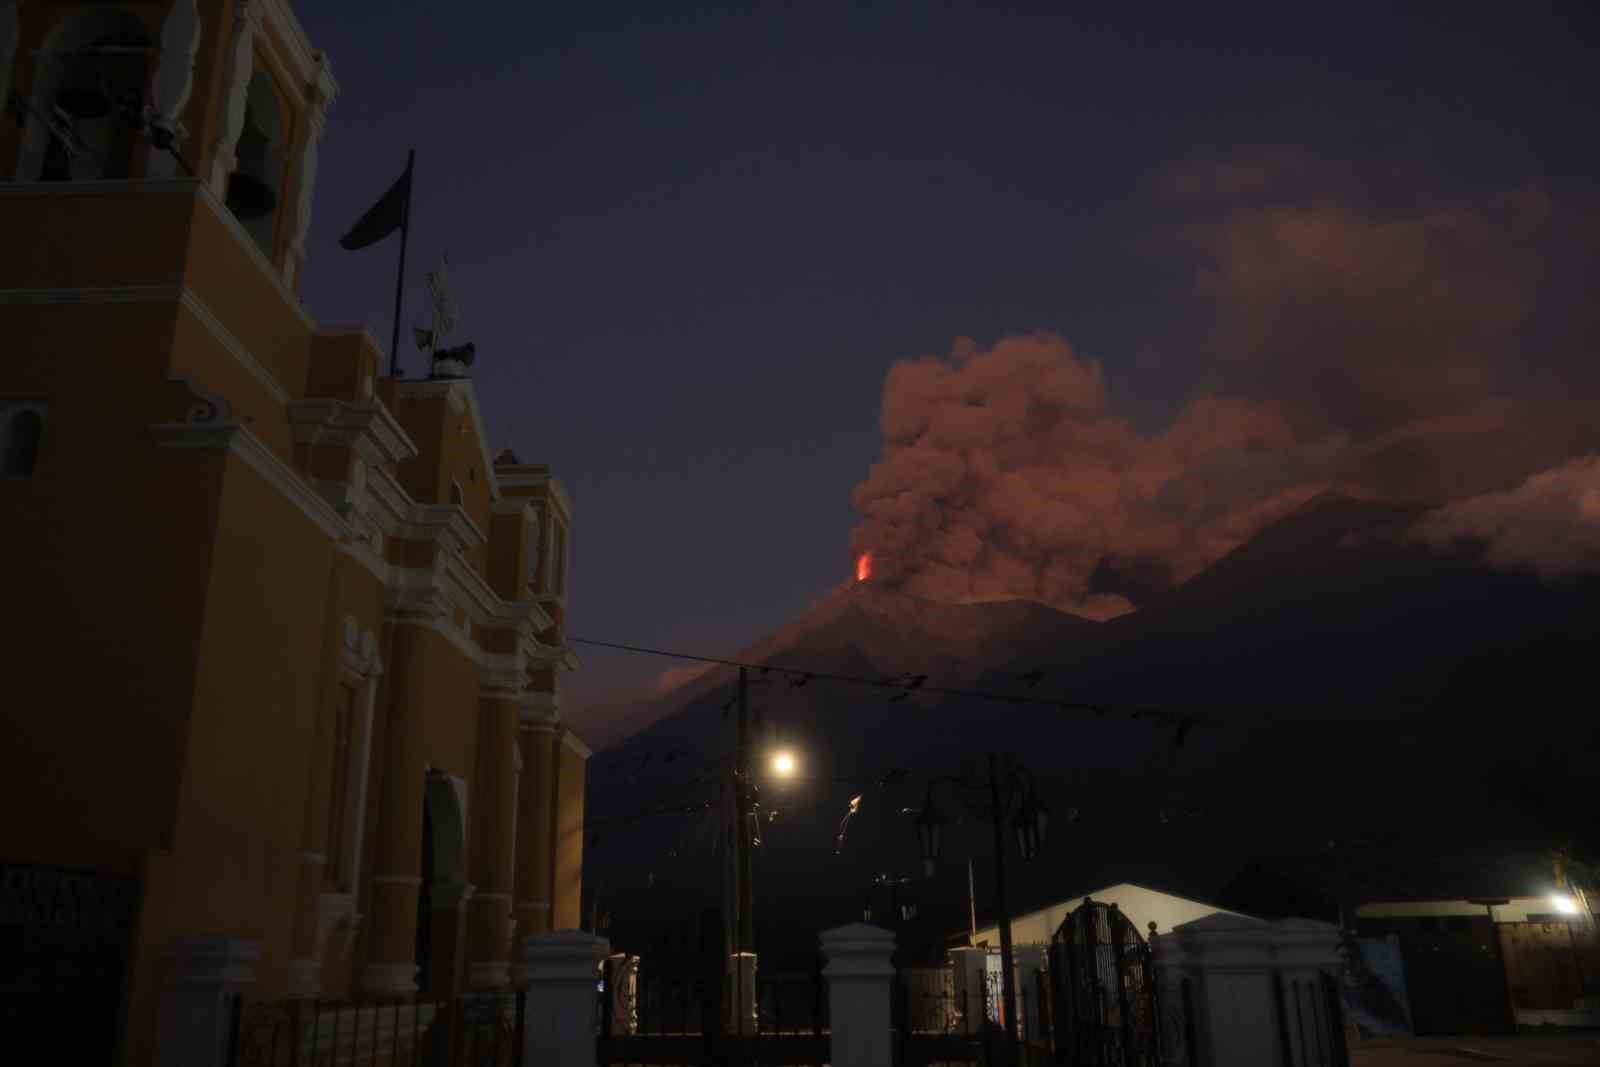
{"x":1454,"y":977}
{"x":65,"y":938}
{"x":425,"y":904}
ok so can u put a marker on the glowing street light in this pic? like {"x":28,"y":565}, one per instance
{"x":784,"y":764}
{"x":1564,"y":904}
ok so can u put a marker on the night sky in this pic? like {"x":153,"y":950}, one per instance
{"x":690,"y":242}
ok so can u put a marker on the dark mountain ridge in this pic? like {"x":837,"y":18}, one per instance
{"x":1352,"y":681}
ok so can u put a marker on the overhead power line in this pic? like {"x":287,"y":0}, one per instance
{"x":905,"y":684}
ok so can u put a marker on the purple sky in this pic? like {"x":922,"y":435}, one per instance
{"x":689,"y":244}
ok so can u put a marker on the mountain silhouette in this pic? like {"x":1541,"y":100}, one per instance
{"x":1342,"y":679}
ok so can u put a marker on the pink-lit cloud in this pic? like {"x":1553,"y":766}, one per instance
{"x":1372,"y":352}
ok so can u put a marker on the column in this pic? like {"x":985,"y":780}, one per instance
{"x":537,"y":735}
{"x":967,"y":968}
{"x":562,"y":969}
{"x":489,"y":948}
{"x":391,"y":969}
{"x":304,"y":977}
{"x":197,"y":1002}
{"x":859,"y":975}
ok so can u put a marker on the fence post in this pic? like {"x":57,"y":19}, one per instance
{"x":563,"y":970}
{"x":198,"y":999}
{"x":859,"y":975}
{"x":1175,"y":1024}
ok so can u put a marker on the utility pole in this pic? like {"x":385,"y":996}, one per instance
{"x":746,"y":935}
{"x":1008,"y":979}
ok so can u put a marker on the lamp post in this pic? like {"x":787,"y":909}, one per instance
{"x":1012,"y":798}
{"x":901,"y":910}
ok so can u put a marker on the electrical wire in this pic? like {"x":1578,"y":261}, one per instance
{"x":904,"y":684}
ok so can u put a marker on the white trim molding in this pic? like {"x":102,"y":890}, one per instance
{"x":237,"y":439}
{"x":369,"y":428}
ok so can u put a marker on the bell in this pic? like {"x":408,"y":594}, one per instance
{"x":82,"y":94}
{"x":250,"y":198}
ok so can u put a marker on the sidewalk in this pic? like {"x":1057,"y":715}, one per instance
{"x":1579,"y":1047}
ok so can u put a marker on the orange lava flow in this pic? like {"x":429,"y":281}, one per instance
{"x":863,"y":566}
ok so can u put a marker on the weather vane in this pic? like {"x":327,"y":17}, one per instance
{"x":447,"y":362}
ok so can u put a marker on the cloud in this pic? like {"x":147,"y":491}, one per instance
{"x":1378,"y":351}
{"x":1549,"y":524}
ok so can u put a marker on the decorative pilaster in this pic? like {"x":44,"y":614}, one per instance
{"x":534,"y":871}
{"x":239,"y":64}
{"x":306,"y":176}
{"x":859,"y":975}
{"x":396,"y":884}
{"x":562,"y":969}
{"x":492,"y":859}
{"x":196,"y":1004}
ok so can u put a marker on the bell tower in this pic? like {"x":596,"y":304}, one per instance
{"x":228,"y":93}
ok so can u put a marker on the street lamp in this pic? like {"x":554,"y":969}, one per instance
{"x":784,"y":764}
{"x":930,"y":823}
{"x":1012,"y":796}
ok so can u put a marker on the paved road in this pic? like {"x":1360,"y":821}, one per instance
{"x":1534,"y":1050}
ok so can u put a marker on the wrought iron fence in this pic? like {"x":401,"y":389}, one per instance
{"x":473,"y":1030}
{"x":1103,"y":991}
{"x":674,"y":1012}
{"x":936,"y":1024}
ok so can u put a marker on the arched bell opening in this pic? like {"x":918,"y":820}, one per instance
{"x":90,"y":85}
{"x":253,"y":187}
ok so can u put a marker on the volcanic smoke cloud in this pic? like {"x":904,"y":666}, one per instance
{"x":1428,"y":354}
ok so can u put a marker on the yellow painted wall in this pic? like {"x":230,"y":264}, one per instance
{"x":222,"y":272}
{"x":107,"y":610}
{"x":567,"y":890}
{"x":258,"y":691}
{"x":57,"y":235}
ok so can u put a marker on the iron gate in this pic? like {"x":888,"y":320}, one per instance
{"x":1102,"y":991}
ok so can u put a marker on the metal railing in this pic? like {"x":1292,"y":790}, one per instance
{"x":471,"y":1030}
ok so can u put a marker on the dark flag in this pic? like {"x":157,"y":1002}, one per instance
{"x":384,"y":217}
{"x":389,"y":214}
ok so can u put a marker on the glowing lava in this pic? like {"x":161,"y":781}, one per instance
{"x":863,"y":566}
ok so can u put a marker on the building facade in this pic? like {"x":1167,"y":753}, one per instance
{"x":288,"y":646}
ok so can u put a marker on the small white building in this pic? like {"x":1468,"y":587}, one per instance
{"x":1142,"y":907}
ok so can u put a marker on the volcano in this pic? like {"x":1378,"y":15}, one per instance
{"x":1341,"y":678}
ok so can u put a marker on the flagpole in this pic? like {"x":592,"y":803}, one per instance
{"x":400,"y":278}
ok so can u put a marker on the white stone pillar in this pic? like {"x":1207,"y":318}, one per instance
{"x":741,"y":995}
{"x":1166,"y":956}
{"x":197,"y":1002}
{"x":563,"y":969}
{"x":859,"y":975}
{"x":967,"y":968}
{"x":1028,"y":961}
{"x":1234,"y":996}
{"x":1304,"y":950}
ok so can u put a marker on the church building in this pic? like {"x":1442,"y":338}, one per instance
{"x":282,"y":672}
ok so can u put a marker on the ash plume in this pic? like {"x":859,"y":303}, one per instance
{"x":1433,"y":352}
